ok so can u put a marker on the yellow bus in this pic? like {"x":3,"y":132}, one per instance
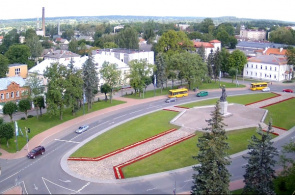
{"x":178,"y":92}
{"x":258,"y":86}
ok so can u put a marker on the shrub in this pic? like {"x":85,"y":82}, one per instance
{"x":22,"y":118}
{"x":30,"y":116}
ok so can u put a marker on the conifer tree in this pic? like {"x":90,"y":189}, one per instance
{"x":260,"y":168}
{"x":212,"y":176}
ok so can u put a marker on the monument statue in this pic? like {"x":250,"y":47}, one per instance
{"x":223,"y":95}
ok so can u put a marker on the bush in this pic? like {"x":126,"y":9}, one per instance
{"x":22,"y":118}
{"x":98,"y":99}
{"x":288,"y":81}
{"x":30,"y":116}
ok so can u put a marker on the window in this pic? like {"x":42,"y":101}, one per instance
{"x":247,"y":72}
{"x":17,"y":71}
{"x":247,"y":65}
{"x":2,"y":96}
{"x":17,"y":94}
{"x":251,"y":73}
{"x":270,"y":76}
{"x":251,"y":65}
{"x":265,"y":75}
{"x":256,"y":74}
{"x":265,"y":67}
{"x":275,"y":76}
{"x":7,"y":95}
{"x":261,"y":67}
{"x":275,"y":68}
{"x":270,"y":68}
{"x":12,"y":94}
{"x":122,"y":60}
{"x":256,"y":66}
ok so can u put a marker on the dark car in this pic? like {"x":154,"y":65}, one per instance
{"x":170,"y":100}
{"x":39,"y":150}
{"x":202,"y":93}
{"x":288,"y":90}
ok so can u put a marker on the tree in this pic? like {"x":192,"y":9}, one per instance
{"x":161,"y":75}
{"x":56,"y":87}
{"x":237,"y":59}
{"x":285,"y":180}
{"x":35,"y":46}
{"x":18,"y":54}
{"x":210,"y":64}
{"x":139,"y":71}
{"x":260,"y":167}
{"x":73,"y":87}
{"x":73,"y":46}
{"x":90,"y":80}
{"x":35,"y":85}
{"x":233,"y":73}
{"x":6,"y":131}
{"x":24,"y":105}
{"x":207,"y":26}
{"x":217,"y":64}
{"x":39,"y":103}
{"x":282,"y":35}
{"x":202,"y":53}
{"x":30,"y":33}
{"x":9,"y":108}
{"x":224,"y":55}
{"x":191,"y":67}
{"x":105,"y":88}
{"x":111,"y":75}
{"x":128,"y":38}
{"x":212,"y":176}
{"x":290,"y":54}
{"x":3,"y":66}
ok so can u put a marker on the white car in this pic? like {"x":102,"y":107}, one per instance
{"x":266,"y":89}
{"x":82,"y":128}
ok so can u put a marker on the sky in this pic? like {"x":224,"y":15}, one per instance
{"x":257,"y":9}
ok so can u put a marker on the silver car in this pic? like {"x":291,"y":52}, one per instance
{"x":171,"y":100}
{"x":82,"y":128}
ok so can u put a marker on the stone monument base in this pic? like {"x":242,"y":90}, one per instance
{"x":223,"y":109}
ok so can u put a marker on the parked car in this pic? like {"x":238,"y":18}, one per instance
{"x":171,"y":100}
{"x":202,"y":93}
{"x":288,"y":90}
{"x":39,"y":150}
{"x":82,"y":128}
{"x":266,"y":89}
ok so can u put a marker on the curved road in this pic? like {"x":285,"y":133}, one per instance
{"x":45,"y":175}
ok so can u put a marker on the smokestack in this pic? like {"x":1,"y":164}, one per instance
{"x":43,"y":20}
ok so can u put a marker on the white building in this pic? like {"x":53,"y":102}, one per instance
{"x":208,"y":46}
{"x":267,"y":68}
{"x":126,"y":55}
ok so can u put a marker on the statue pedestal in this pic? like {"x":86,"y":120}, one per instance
{"x":223,"y":109}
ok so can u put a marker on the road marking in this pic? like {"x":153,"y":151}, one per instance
{"x":35,"y":187}
{"x":119,"y":116}
{"x":112,"y":123}
{"x":44,"y":179}
{"x":25,"y":187}
{"x":83,"y":187}
{"x":188,"y":180}
{"x":151,"y":189}
{"x":67,"y":141}
{"x":66,"y":181}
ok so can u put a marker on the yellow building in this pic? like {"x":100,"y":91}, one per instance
{"x":18,"y":70}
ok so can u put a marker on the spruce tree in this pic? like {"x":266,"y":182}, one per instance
{"x":259,"y":170}
{"x":212,"y":176}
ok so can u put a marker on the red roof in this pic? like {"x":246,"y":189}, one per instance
{"x":272,"y":51}
{"x":204,"y":44}
{"x":214,"y":41}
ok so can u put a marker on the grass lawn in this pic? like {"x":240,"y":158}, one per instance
{"x":45,"y":122}
{"x":165,"y":91}
{"x":128,"y":133}
{"x":241,"y":99}
{"x":180,"y":155}
{"x":282,"y":114}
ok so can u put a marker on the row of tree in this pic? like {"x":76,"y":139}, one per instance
{"x":211,"y":175}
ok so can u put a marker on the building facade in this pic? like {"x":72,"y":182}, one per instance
{"x":268,"y":68}
{"x":211,"y":46}
{"x":17,"y":70}
{"x":12,"y":89}
{"x":252,"y":35}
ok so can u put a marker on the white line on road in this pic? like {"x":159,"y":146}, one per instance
{"x":119,"y":116}
{"x":56,"y":185}
{"x":25,"y":187}
{"x":188,"y":180}
{"x":67,"y":141}
{"x":66,"y":181}
{"x":35,"y":187}
{"x":83,"y":187}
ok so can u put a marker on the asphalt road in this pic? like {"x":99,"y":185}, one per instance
{"x":44,"y":175}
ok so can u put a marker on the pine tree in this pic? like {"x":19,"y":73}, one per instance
{"x":90,"y":79}
{"x":259,"y":170}
{"x":212,"y":176}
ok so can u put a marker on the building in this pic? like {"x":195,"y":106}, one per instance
{"x":12,"y":89}
{"x":268,"y":68}
{"x":126,"y":55}
{"x":272,"y":51}
{"x":61,"y":55}
{"x":208,"y":46}
{"x":252,"y":34}
{"x":17,"y":70}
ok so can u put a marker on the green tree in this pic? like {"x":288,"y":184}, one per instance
{"x":105,"y":88}
{"x":207,"y":26}
{"x":190,"y":66}
{"x":39,"y":103}
{"x":35,"y":46}
{"x":282,"y":35}
{"x":18,"y":54}
{"x":74,"y":87}
{"x":128,"y":38}
{"x":73,"y":46}
{"x":6,"y":131}
{"x":285,"y":180}
{"x":237,"y":59}
{"x":30,"y":33}
{"x":212,"y":176}
{"x":90,"y":80}
{"x":217,"y":64}
{"x":110,"y":45}
{"x":260,"y":167}
{"x":202,"y":54}
{"x":224,"y":55}
{"x":233,"y":72}
{"x":111,"y":75}
{"x":24,"y":105}
{"x":161,"y":64}
{"x":56,"y":87}
{"x":139,"y":71}
{"x":9,"y":109}
{"x":68,"y":34}
{"x":35,"y":85}
{"x":290,"y":54}
{"x":3,"y":66}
